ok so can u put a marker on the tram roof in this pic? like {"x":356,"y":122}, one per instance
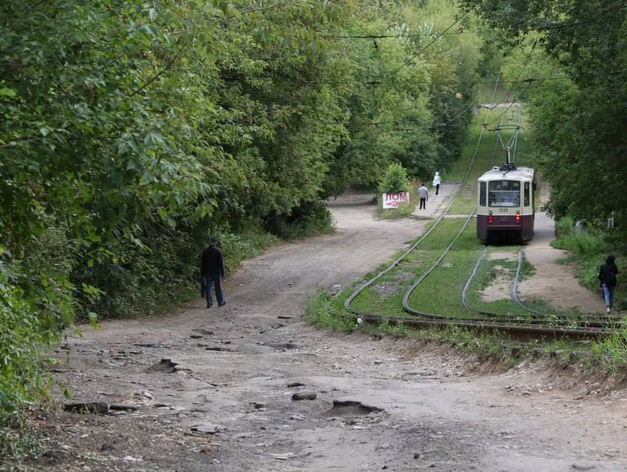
{"x":520,"y":173}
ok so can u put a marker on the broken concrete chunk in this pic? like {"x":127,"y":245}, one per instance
{"x":304,"y":396}
{"x":206,"y":428}
{"x":122,"y":407}
{"x":101,"y":408}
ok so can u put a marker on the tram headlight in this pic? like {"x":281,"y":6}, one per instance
{"x":517,"y":217}
{"x":490,"y":217}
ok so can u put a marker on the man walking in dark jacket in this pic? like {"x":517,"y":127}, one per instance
{"x":212,"y":271}
{"x":607,"y":277}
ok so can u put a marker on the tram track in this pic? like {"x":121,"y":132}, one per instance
{"x":535,"y":324}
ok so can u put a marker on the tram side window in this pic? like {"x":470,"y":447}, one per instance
{"x":504,"y":193}
{"x":527,"y":199}
{"x":482,"y":194}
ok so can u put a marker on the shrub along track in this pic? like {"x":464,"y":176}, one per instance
{"x":534,"y":323}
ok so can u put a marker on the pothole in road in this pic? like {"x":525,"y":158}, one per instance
{"x":164,"y":365}
{"x":351,"y":408}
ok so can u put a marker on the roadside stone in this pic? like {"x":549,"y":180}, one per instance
{"x":259,"y":405}
{"x":284,"y":456}
{"x":515,"y":352}
{"x":206,"y":428}
{"x":295,"y":384}
{"x":122,"y":407}
{"x":304,"y":396}
{"x":582,"y":467}
{"x":218,"y":348}
{"x":101,"y":408}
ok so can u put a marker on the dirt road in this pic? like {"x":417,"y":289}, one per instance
{"x":380,"y":404}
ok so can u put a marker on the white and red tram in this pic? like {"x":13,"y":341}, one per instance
{"x":506,"y":202}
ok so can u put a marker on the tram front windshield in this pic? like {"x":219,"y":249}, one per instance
{"x":504,"y":193}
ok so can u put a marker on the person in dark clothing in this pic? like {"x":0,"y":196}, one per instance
{"x":607,"y":276}
{"x":212,"y":271}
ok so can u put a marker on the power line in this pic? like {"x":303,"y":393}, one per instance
{"x":388,"y":36}
{"x":410,"y":60}
{"x":518,"y":77}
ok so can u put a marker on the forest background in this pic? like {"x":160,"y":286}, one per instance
{"x":133,"y":130}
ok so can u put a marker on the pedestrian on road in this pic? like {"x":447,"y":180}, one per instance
{"x":436,"y":182}
{"x":607,"y":276}
{"x":212,"y":271}
{"x":423,"y":193}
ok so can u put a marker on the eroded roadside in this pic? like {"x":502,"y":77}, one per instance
{"x":379,"y":403}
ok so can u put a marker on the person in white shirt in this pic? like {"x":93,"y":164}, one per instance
{"x":423,"y":194}
{"x":436,"y":182}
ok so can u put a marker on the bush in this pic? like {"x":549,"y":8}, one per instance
{"x":308,"y":219}
{"x":239,"y":247}
{"x":395,"y":180}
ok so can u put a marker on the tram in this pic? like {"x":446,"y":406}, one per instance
{"x":506,"y":202}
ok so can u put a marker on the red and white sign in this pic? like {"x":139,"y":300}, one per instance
{"x":395,"y":200}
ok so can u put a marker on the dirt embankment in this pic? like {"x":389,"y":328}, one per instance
{"x":224,"y":398}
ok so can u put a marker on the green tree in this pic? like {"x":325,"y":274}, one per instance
{"x":578,"y":102}
{"x":395,"y":180}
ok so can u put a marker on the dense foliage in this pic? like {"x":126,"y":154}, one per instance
{"x":133,"y":130}
{"x":577,"y":97}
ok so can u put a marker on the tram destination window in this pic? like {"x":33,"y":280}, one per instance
{"x":504,"y":193}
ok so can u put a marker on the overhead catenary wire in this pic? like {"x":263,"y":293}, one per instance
{"x":530,"y":26}
{"x":423,"y":49}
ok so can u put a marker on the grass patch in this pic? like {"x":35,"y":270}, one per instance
{"x":319,"y":314}
{"x":611,"y":352}
{"x":19,"y":441}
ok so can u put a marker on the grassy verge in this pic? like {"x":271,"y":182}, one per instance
{"x":588,"y":251}
{"x":323,"y":312}
{"x":604,"y":356}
